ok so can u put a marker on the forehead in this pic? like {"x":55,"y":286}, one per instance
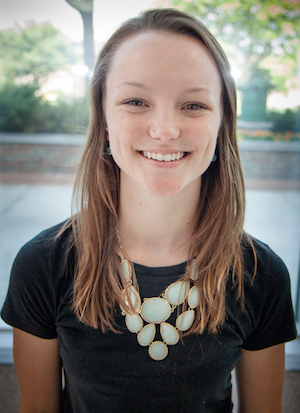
{"x":158,"y":54}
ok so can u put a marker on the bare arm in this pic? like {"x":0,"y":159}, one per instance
{"x":260,"y":376}
{"x":38,"y":368}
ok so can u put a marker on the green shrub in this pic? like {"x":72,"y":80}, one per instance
{"x":17,"y":107}
{"x":61,"y":117}
{"x":22,"y":111}
{"x":287,"y":120}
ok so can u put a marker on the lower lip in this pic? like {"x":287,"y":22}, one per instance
{"x":163,"y":164}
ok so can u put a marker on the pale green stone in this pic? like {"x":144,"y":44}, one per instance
{"x":185,"y":320}
{"x":194,"y":273}
{"x":146,"y":335}
{"x":158,"y":350}
{"x":177,"y":292}
{"x":155,"y":310}
{"x":169,"y":334}
{"x":134,"y":298}
{"x":194,"y":296}
{"x":126,"y":269}
{"x":134,"y":322}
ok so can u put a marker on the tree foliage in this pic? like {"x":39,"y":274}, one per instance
{"x":251,"y":30}
{"x":27,"y":57}
{"x":35,"y":52}
{"x":256,"y":27}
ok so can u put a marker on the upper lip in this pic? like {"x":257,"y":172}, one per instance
{"x":163,"y":151}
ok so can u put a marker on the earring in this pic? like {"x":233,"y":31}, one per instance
{"x":214,"y":158}
{"x":108,"y":150}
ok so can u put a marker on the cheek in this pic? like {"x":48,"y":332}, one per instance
{"x":122,"y":125}
{"x":205,"y":136}
{"x":121,"y":138}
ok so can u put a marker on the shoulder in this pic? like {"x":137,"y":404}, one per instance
{"x":270,"y":268}
{"x":43,"y":260}
{"x":49,"y":238}
{"x":48,"y":246}
{"x":37,"y":283}
{"x":268,"y":318}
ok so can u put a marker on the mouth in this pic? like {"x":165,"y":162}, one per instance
{"x":169,"y":157}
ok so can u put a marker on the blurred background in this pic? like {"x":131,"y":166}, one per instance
{"x":47,"y":52}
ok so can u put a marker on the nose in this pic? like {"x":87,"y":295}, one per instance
{"x":164,"y":126}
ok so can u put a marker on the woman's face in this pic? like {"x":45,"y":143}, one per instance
{"x":163,"y":111}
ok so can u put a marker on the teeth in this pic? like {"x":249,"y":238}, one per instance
{"x":165,"y":158}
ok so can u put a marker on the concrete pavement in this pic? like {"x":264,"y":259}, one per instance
{"x":25,"y":210}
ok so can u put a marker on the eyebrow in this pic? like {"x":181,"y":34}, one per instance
{"x":198,"y":89}
{"x":189,"y":90}
{"x":134,"y":83}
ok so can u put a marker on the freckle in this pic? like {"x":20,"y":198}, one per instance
{"x":140,"y":203}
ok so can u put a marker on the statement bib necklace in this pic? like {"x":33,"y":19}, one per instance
{"x":156,"y":311}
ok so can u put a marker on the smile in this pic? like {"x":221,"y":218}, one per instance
{"x":161,"y":157}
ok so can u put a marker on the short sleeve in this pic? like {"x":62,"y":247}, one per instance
{"x":270,"y":306}
{"x":30,"y":303}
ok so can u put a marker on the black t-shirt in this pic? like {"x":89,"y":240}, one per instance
{"x":112,"y":373}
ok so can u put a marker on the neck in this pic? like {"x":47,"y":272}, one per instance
{"x":155,"y":231}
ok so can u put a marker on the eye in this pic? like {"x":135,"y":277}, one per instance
{"x":134,"y":102}
{"x":194,"y":106}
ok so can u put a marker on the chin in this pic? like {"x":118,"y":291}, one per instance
{"x":163,"y":189}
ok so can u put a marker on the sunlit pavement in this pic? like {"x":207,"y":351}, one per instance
{"x":25,"y":210}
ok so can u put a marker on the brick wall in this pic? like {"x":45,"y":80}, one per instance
{"x":47,"y":153}
{"x":270,"y":160}
{"x":41,"y":153}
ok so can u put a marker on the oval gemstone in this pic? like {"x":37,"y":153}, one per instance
{"x":169,"y":333}
{"x":194,"y":273}
{"x":126,"y":269}
{"x":134,"y":322}
{"x":194,"y":296}
{"x":177,"y":292}
{"x":185,"y":320}
{"x":134,"y":297}
{"x":155,"y":310}
{"x":146,"y":335}
{"x":158,"y":350}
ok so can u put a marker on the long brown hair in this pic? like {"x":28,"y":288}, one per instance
{"x":218,"y":234}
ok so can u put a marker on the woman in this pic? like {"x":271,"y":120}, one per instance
{"x":159,"y":185}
